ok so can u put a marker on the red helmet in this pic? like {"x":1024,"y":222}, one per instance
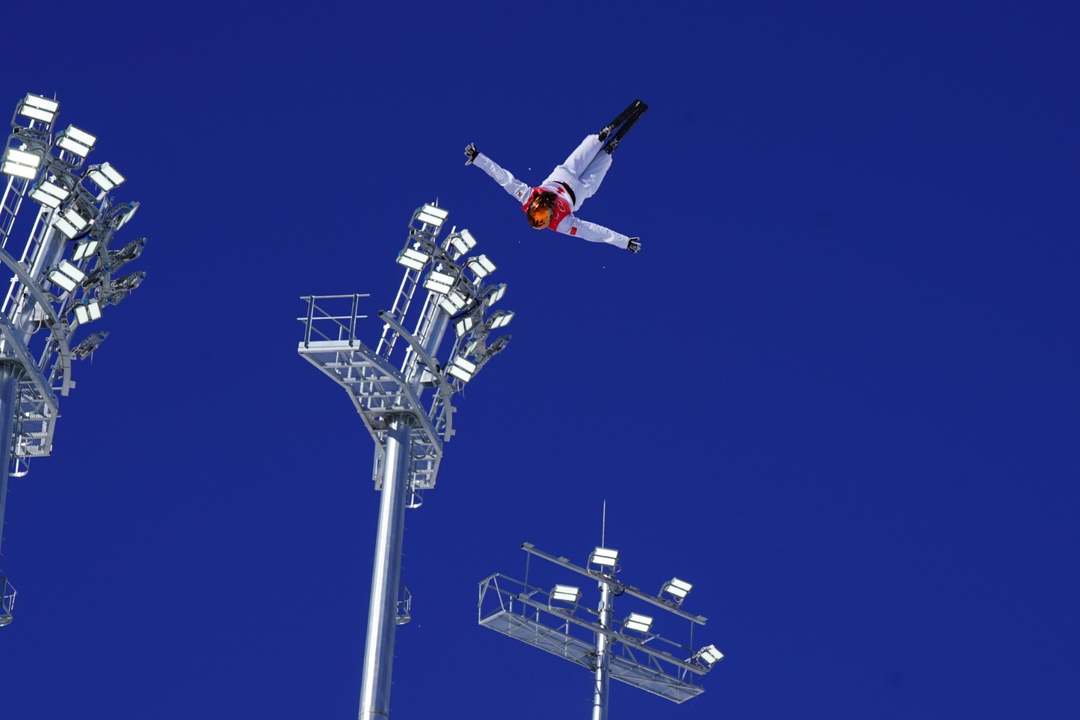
{"x":540,"y":210}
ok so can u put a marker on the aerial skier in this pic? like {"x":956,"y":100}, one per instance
{"x":552,"y":204}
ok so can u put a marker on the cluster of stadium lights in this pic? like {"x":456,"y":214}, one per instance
{"x":55,"y":291}
{"x":74,"y":209}
{"x":674,"y":591}
{"x":464,"y":300}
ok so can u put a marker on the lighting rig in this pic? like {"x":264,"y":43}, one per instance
{"x":62,"y":279}
{"x":555,"y":619}
{"x":403,"y":390}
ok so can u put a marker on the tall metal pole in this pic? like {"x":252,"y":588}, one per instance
{"x":9,"y":385}
{"x":603,"y":653}
{"x":386,"y":576}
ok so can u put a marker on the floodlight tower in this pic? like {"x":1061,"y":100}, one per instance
{"x":61,"y":280}
{"x":556,"y":621}
{"x":403,"y":393}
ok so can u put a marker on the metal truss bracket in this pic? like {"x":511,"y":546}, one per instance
{"x":22,"y":355}
{"x":446,"y":390}
{"x":57,"y":327}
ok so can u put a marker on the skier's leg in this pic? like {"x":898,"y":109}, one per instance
{"x":584,"y":154}
{"x":590,"y":180}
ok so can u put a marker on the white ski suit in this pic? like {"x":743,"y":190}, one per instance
{"x":582,"y":171}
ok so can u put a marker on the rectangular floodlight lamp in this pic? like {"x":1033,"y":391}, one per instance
{"x":566,"y":593}
{"x":463,"y":242}
{"x":710,"y":655}
{"x":501,"y":319}
{"x":71,"y":271}
{"x":39,"y":108}
{"x":431,"y":215}
{"x":438,"y":282}
{"x":71,"y":222}
{"x":462,"y":369}
{"x":413,"y":259}
{"x":436,"y":211}
{"x":463,"y":325}
{"x":638,"y":623}
{"x":94,"y":309}
{"x":85,"y":250}
{"x":677,"y":588}
{"x":76,"y":141}
{"x":604,"y":556}
{"x":62,"y":280}
{"x":105,"y":176}
{"x":20,"y":163}
{"x":497,"y":294}
{"x":126,"y":218}
{"x":82,"y":315}
{"x":50,"y":194}
{"x":481,"y":266}
{"x":454,"y":302}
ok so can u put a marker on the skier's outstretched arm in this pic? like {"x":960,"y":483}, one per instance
{"x":508,"y":182}
{"x":592,"y":232}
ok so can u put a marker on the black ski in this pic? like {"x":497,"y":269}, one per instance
{"x":636,"y":113}
{"x":620,"y":118}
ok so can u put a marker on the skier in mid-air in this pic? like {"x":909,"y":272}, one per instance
{"x":552,"y":204}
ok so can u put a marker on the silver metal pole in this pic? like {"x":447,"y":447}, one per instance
{"x":9,"y":385}
{"x":386,"y":576}
{"x":603,"y":653}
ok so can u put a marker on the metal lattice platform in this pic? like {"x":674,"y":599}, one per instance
{"x":511,"y":608}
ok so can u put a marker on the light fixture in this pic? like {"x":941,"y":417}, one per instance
{"x":71,"y":222}
{"x":130,"y":281}
{"x":126,"y":254}
{"x":500,"y":319}
{"x":462,"y":369}
{"x":463,"y":242}
{"x":85,"y":250}
{"x":126,"y":217}
{"x":709,"y":655}
{"x":105,"y":176}
{"x":413,"y":259}
{"x":637,"y":622}
{"x":464,"y":325}
{"x":496,"y":295}
{"x":566,"y":593}
{"x":76,"y":141}
{"x":439,"y":282}
{"x":676,"y":588}
{"x":36,"y":107}
{"x":88,"y":312}
{"x":49,"y":193}
{"x":481,"y":266}
{"x":67,"y":276}
{"x":454,"y":302}
{"x":605,"y":557}
{"x":21,"y":163}
{"x":431,"y":215}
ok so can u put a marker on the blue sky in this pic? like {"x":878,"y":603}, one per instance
{"x":838,"y":390}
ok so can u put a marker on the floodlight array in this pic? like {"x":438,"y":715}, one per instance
{"x":64,"y":275}
{"x":631,"y":651}
{"x":387,"y":385}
